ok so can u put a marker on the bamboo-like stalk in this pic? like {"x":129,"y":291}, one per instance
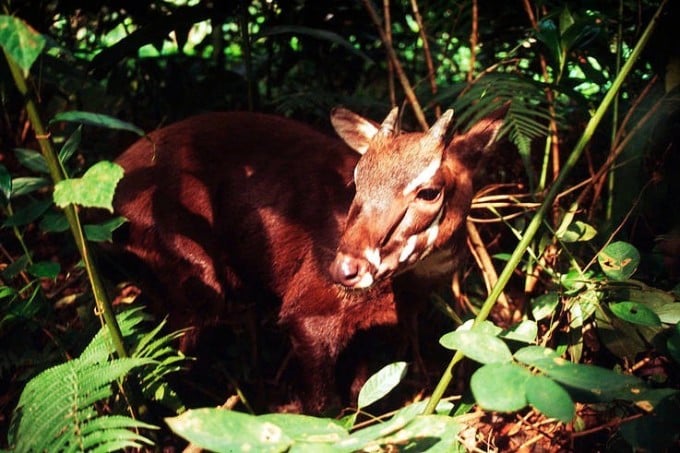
{"x":538,"y":218}
{"x":57,"y":173}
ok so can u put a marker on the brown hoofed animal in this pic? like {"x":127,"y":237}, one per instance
{"x":226,"y":205}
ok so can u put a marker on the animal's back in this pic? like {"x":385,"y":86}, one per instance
{"x":223,"y":202}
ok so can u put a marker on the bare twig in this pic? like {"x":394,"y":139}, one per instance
{"x":401,"y":74}
{"x":390,"y":66}
{"x":426,"y":49}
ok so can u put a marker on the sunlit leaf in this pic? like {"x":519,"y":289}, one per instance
{"x":95,"y":189}
{"x":619,"y":260}
{"x":303,"y":428}
{"x":550,"y":398}
{"x":478,"y":346}
{"x":500,"y":386}
{"x":228,"y":431}
{"x":381,"y":383}
{"x":525,"y":331}
{"x":20,"y":41}
{"x":578,"y":232}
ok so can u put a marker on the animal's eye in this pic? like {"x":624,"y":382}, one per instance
{"x":428,"y":194}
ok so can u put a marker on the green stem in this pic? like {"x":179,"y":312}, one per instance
{"x":535,"y":223}
{"x":57,"y":173}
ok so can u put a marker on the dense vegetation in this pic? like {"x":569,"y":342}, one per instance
{"x":575,"y":238}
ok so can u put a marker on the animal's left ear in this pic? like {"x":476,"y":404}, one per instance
{"x":480,"y":137}
{"x":357,"y":131}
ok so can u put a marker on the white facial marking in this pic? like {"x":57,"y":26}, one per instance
{"x":365,"y":282}
{"x":344,"y":266}
{"x":373,"y":256}
{"x":433,"y":229}
{"x":408,"y":248}
{"x":424,"y":176}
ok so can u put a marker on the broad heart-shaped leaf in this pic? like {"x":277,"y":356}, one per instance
{"x":478,"y":346}
{"x":381,"y":383}
{"x":228,"y":431}
{"x":619,"y":260}
{"x":500,"y":386}
{"x":635,"y":313}
{"x":20,"y":41}
{"x":550,"y":398}
{"x":96,"y":119}
{"x":94,"y":190}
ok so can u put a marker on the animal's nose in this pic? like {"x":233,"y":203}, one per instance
{"x":351,"y":272}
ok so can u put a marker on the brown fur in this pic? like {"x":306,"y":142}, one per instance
{"x":226,"y":205}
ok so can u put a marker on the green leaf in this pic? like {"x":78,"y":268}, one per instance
{"x":525,"y":331}
{"x":44,"y":269}
{"x":550,"y":398}
{"x":635,"y":313}
{"x":20,"y":41}
{"x":500,"y":386}
{"x":601,"y":383}
{"x":5,"y":185}
{"x":96,"y":119}
{"x":303,"y":428}
{"x":95,"y":189}
{"x":529,"y":354}
{"x":32,"y":160}
{"x":222,"y":430}
{"x":578,"y":232}
{"x":425,"y":433}
{"x":54,"y":222}
{"x":19,"y":265}
{"x":381,"y":383}
{"x":71,"y":145}
{"x":619,"y":260}
{"x":544,"y":305}
{"x":566,"y":20}
{"x":478,"y":346}
{"x":28,"y":214}
{"x":361,"y":438}
{"x":103,"y":232}
{"x":28,"y":184}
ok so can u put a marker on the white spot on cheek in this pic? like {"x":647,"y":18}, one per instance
{"x":365,"y":282}
{"x":433,"y":229}
{"x":423,"y":177}
{"x":373,"y":257}
{"x":408,"y":248}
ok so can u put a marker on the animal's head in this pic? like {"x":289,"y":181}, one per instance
{"x":413,"y":191}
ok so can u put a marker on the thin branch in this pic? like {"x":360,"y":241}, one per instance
{"x":474,"y":38}
{"x":428,"y":56}
{"x":401,"y":74}
{"x":390,"y":66}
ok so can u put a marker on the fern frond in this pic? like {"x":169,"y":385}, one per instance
{"x":56,"y":409}
{"x":56,"y":406}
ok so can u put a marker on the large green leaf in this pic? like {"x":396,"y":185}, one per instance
{"x":635,"y":313}
{"x":222,"y":430}
{"x":96,"y":119}
{"x":478,"y":346}
{"x":550,"y":398}
{"x":21,"y":42}
{"x":95,"y":189}
{"x":619,"y":260}
{"x":500,"y":386}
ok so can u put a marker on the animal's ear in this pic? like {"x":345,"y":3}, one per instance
{"x":357,"y":131}
{"x":480,"y":137}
